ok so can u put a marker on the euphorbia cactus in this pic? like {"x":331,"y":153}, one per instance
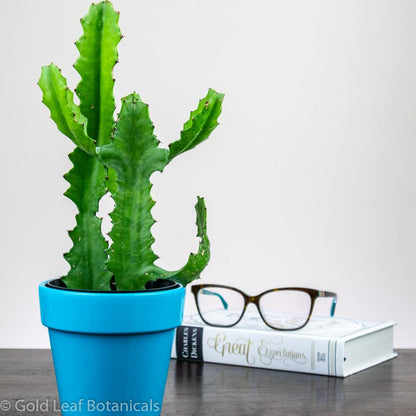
{"x":119,"y":157}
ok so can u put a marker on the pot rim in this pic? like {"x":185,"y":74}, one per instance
{"x":50,"y":284}
{"x":111,"y":312}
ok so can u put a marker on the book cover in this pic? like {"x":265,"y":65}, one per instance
{"x":328,"y":346}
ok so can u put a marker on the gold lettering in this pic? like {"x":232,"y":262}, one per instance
{"x":241,"y":346}
{"x":268,"y":351}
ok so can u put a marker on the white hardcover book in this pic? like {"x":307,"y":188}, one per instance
{"x":328,"y":346}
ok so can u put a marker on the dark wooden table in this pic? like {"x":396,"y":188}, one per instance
{"x":209,"y":389}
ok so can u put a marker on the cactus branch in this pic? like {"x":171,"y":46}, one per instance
{"x":67,"y":115}
{"x":134,"y":154}
{"x":97,"y":57}
{"x":196,"y":262}
{"x":200,"y":125}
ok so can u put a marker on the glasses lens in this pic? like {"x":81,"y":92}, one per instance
{"x":219,"y":306}
{"x":285,"y":309}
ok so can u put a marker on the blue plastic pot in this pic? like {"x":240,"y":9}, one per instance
{"x":111,"y":351}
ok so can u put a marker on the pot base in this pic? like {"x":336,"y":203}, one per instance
{"x":111,"y":374}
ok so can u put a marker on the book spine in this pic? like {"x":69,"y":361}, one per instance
{"x":272,"y":350}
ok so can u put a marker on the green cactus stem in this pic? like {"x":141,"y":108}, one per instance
{"x":120,"y":158}
{"x":134,"y":153}
{"x":87,"y":125}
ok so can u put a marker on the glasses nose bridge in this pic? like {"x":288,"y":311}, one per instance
{"x":252,"y":299}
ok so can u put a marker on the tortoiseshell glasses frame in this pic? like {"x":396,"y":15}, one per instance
{"x":312,"y":293}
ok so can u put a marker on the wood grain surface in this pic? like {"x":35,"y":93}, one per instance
{"x":196,"y":389}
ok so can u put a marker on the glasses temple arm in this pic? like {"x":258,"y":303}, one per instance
{"x":330,"y":295}
{"x":209,"y":292}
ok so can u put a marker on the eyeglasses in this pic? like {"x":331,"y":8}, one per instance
{"x":284,"y":309}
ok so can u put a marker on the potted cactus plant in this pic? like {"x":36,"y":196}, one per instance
{"x":111,"y":319}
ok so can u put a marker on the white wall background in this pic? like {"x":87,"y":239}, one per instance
{"x":309,"y":180}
